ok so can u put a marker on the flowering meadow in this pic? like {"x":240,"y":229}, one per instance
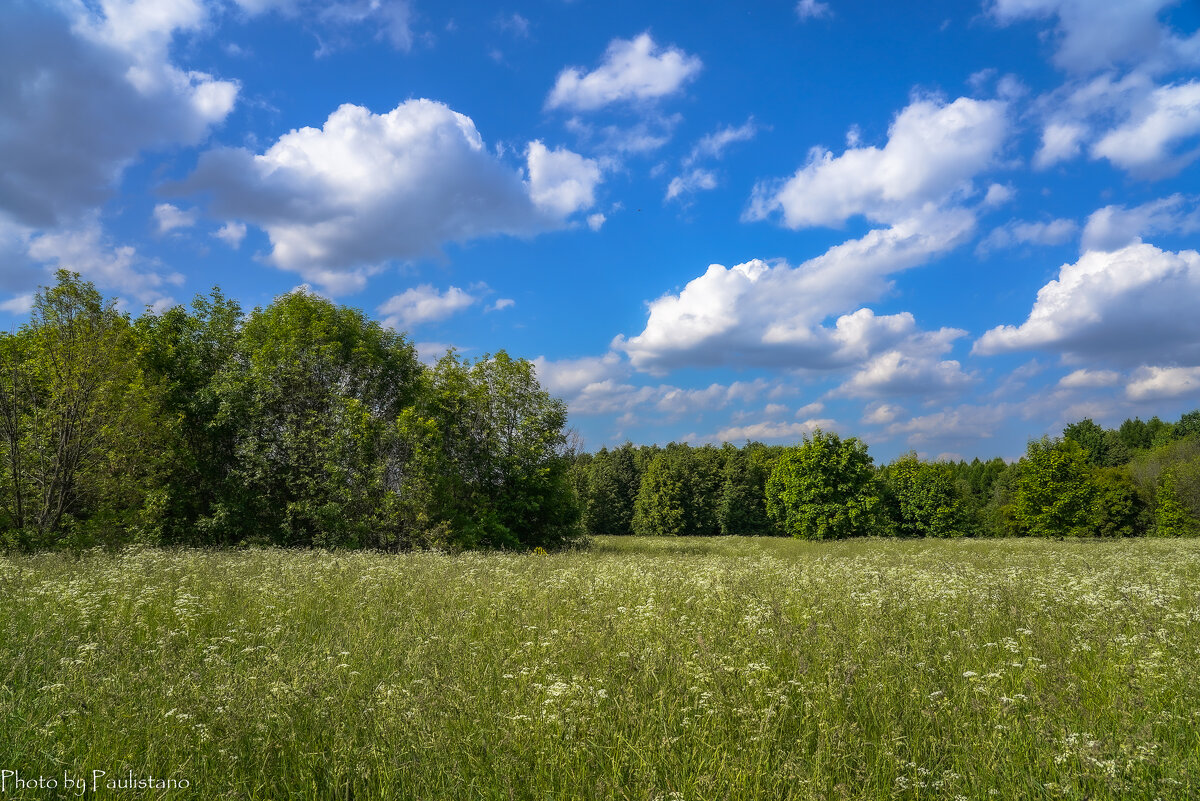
{"x":667,"y":668}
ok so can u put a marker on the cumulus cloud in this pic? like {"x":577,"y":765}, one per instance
{"x":1146,"y":141}
{"x":933,"y":152}
{"x":169,"y":217}
{"x":1153,"y":383}
{"x":367,"y":188}
{"x":1114,"y":227}
{"x":768,"y":431}
{"x":423,"y":304}
{"x":763,"y":314}
{"x":115,"y":268}
{"x":232,"y":233}
{"x":1128,"y":306}
{"x":501,"y":304}
{"x":914,"y":369}
{"x":633,"y":70}
{"x":1089,"y":379}
{"x":1094,"y":36}
{"x":952,"y":425}
{"x":340,"y":23}
{"x":87,"y":88}
{"x":561,"y":182}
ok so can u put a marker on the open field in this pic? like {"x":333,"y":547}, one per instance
{"x":668,"y":668}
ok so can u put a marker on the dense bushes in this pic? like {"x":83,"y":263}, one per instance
{"x":302,"y":423}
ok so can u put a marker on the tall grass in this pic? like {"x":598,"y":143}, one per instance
{"x":641,"y":669}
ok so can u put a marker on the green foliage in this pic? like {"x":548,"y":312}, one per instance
{"x":79,"y":444}
{"x":1104,"y":447}
{"x":923,"y":499}
{"x":1055,"y":494}
{"x":824,"y":489}
{"x":1118,"y":506}
{"x":665,"y":495}
{"x":614,"y":478}
{"x":488,"y":464}
{"x":743,"y":502}
{"x":1171,"y":518}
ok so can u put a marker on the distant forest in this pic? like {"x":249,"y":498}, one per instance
{"x":305,"y":423}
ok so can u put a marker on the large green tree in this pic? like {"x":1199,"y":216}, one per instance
{"x":924,"y":499}
{"x":1055,"y":493}
{"x":79,"y":437}
{"x":824,"y":489}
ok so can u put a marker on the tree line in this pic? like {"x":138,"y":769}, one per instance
{"x":300,"y":424}
{"x":304,"y":423}
{"x":1142,"y":478}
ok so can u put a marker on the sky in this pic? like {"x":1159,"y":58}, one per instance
{"x":945,"y":227}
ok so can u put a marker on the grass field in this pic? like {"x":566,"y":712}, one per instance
{"x":638,"y":668}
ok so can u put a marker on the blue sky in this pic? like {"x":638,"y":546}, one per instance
{"x":946,"y":227}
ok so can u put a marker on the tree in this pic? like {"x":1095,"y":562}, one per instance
{"x":78,"y":435}
{"x":1104,"y":447}
{"x":925,"y":499}
{"x":661,"y":508}
{"x":1055,"y":494}
{"x":743,"y":503}
{"x":1171,"y":519}
{"x":184,"y":353}
{"x":613,"y":483}
{"x":824,"y":489}
{"x":1118,"y":507}
{"x":489,"y":463}
{"x":312,"y":396}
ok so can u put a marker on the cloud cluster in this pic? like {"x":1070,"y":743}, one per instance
{"x":933,"y":151}
{"x":423,"y":304}
{"x":633,"y":70}
{"x":366,"y":188}
{"x":85,"y":89}
{"x":759,"y":314}
{"x":1124,"y":307}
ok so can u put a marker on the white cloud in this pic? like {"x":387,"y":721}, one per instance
{"x":339,"y":201}
{"x":423,"y":304}
{"x":1021,"y":232}
{"x":561,"y":182}
{"x":912,"y":370}
{"x":1152,"y":383}
{"x":119,"y":269}
{"x":998,"y":195}
{"x":769,"y":431}
{"x":713,"y":145}
{"x":646,"y":135}
{"x":933,"y":151}
{"x":1127,"y":306}
{"x":772,"y":315}
{"x":21,"y":304}
{"x":232,"y":233}
{"x":961,"y":423}
{"x":341,"y":23}
{"x":430,"y":352}
{"x":1100,"y":35}
{"x":881,"y":413}
{"x":170,"y":217}
{"x":1145,"y":141}
{"x":695,"y":180}
{"x":501,"y":304}
{"x":88,"y":88}
{"x":595,"y":221}
{"x":633,"y":70}
{"x":1061,"y":141}
{"x":813,"y":9}
{"x":1089,"y":379}
{"x":1114,"y":227}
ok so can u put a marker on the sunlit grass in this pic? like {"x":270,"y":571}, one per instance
{"x":639,"y":668}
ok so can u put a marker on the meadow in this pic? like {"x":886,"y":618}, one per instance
{"x":668,"y":669}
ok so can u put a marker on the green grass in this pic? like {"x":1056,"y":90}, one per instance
{"x":640,"y":668}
